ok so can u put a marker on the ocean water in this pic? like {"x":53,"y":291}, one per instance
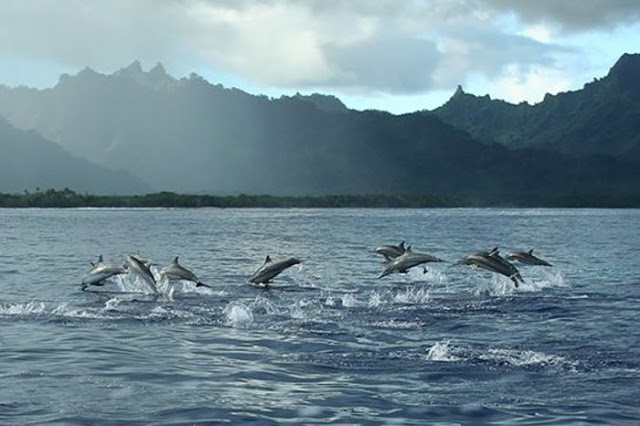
{"x":329,"y":342}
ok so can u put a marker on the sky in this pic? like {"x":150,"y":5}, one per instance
{"x":393,"y":55}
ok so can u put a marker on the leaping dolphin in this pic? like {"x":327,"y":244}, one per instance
{"x":527,"y":258}
{"x":140,"y":269}
{"x":146,"y":262}
{"x":100,"y":272}
{"x":390,"y":251}
{"x":177,"y":272}
{"x":406,"y":261}
{"x":492,"y":261}
{"x":270,"y":269}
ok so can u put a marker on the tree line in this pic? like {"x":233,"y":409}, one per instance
{"x":67,"y":198}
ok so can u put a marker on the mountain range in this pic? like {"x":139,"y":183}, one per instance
{"x":136,"y":131}
{"x":602,"y":118}
{"x":29,"y":162}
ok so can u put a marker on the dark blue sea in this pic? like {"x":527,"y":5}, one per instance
{"x":329,"y":342}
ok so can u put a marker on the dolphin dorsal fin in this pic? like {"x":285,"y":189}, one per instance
{"x":530,"y":252}
{"x":100,"y":260}
{"x":267,"y":259}
{"x":408,"y":248}
{"x":175,"y":261}
{"x":401,"y":245}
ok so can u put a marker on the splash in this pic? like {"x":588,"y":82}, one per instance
{"x":28,"y":308}
{"x":349,"y":301}
{"x":550,"y":279}
{"x":262,"y":305}
{"x":526,"y":358}
{"x":237,"y":314}
{"x":39,"y":308}
{"x":65,"y":311}
{"x":304,"y":308}
{"x":375,"y":299}
{"x":443,"y":352}
{"x":413,"y":296}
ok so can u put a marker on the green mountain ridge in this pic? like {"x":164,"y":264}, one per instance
{"x":187,"y":135}
{"x":601,"y":118}
{"x":29,"y":161}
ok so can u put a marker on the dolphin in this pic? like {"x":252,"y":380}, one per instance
{"x":146,"y":262}
{"x":406,"y":261}
{"x":177,"y":272}
{"x":526,"y":257}
{"x":270,"y":269}
{"x":100,"y":272}
{"x":140,"y":269}
{"x":492,"y":261}
{"x":390,"y":251}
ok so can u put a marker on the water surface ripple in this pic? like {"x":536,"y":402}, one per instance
{"x":329,"y":342}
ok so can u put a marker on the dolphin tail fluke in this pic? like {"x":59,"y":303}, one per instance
{"x":517,"y":279}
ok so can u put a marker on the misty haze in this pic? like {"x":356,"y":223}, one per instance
{"x":137,"y":131}
{"x":398,"y":212}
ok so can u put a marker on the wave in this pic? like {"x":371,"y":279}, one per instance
{"x":445,"y":351}
{"x":238,"y":314}
{"x":35,"y":308}
{"x":23,"y":309}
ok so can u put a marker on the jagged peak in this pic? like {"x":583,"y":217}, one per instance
{"x":158,"y":69}
{"x":625,"y":73}
{"x":87,"y":71}
{"x":323,"y":102}
{"x":154,"y":77}
{"x":626,"y":60}
{"x":459,"y":91}
{"x":133,"y":68}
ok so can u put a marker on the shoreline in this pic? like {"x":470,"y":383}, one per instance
{"x":69,"y":199}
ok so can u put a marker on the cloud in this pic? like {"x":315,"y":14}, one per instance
{"x":572,"y":15}
{"x":384,"y":46}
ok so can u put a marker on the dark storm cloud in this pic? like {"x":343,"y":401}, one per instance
{"x":407,"y":64}
{"x":573,"y":15}
{"x":391,"y":46}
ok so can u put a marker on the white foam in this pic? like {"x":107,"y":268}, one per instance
{"x":442,"y":351}
{"x":350,"y":301}
{"x":550,"y":279}
{"x":131,"y":283}
{"x":64,"y":311}
{"x":112,"y":304}
{"x":304,"y":308}
{"x":397,"y":324}
{"x":498,"y":285}
{"x":262,"y":304}
{"x":524,"y":358}
{"x":37,"y":308}
{"x":375,"y":299}
{"x":238,"y":314}
{"x":28,"y":308}
{"x":413,"y":295}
